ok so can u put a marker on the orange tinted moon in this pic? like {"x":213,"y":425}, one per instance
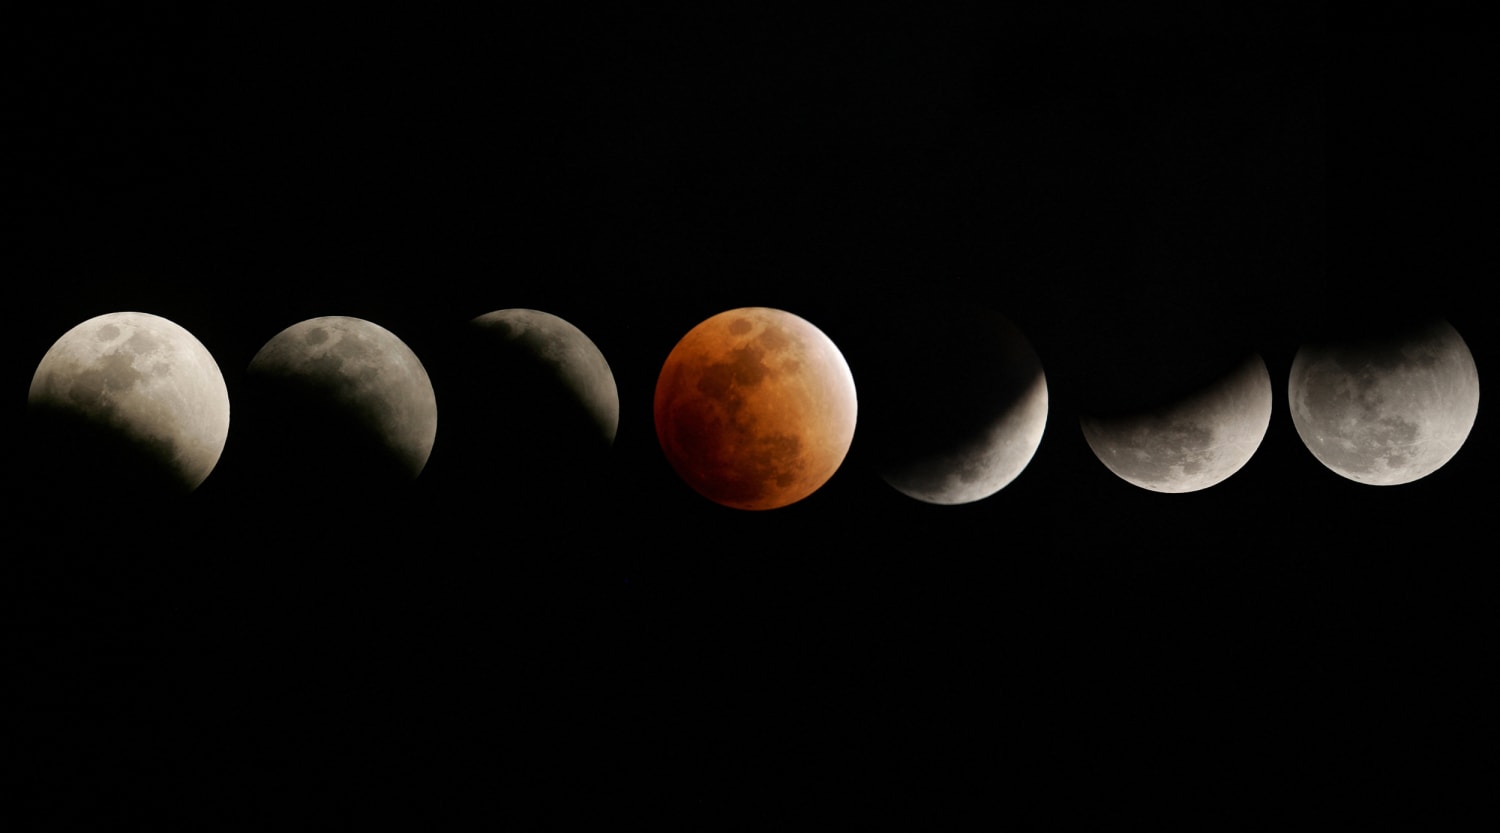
{"x":755,"y":408}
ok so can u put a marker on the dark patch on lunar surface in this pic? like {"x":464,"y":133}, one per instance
{"x":296,"y":429}
{"x":67,"y":447}
{"x":1156,"y":449}
{"x":140,"y":343}
{"x":746,"y":368}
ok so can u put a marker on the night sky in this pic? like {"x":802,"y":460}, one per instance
{"x":1143,"y":195}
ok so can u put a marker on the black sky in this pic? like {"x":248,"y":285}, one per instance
{"x":1141,"y":194}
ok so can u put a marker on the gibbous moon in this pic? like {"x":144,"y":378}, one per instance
{"x":134,"y":396}
{"x":955,"y":401}
{"x":755,"y":408}
{"x":1386,"y":410}
{"x":346,"y":397}
{"x":1190,"y":444}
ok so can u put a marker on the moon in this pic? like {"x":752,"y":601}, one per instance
{"x":339,"y":393}
{"x":1389,"y":409}
{"x":133,"y":396}
{"x":550,"y":351}
{"x":1192,"y":443}
{"x":956,"y":401}
{"x":535,"y":405}
{"x":755,"y":408}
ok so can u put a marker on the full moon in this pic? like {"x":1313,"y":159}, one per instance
{"x":132,"y":395}
{"x":955,"y":400}
{"x":345,"y":396}
{"x":1190,"y":444}
{"x":755,"y":408}
{"x":1386,"y":410}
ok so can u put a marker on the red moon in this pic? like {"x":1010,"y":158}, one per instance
{"x":755,"y":408}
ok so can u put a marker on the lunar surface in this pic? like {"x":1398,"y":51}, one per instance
{"x":956,"y":401}
{"x":344,"y":397}
{"x":131,"y":395}
{"x":1190,"y":444}
{"x":1386,"y":410}
{"x":755,"y":408}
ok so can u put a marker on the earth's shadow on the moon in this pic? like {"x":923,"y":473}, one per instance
{"x":1380,"y":336}
{"x":71,"y":457}
{"x":518,"y":434}
{"x":300,"y":443}
{"x":1137,"y":378}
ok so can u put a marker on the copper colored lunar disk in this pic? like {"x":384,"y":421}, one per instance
{"x":755,"y":408}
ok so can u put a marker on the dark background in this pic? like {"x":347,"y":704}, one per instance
{"x":1141,"y":193}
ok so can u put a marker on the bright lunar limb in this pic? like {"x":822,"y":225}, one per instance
{"x":134,"y":391}
{"x":1387,"y":410}
{"x":346,"y":392}
{"x":1190,"y":444}
{"x":755,"y":408}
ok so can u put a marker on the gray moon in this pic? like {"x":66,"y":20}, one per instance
{"x":957,"y":400}
{"x":347,"y":386}
{"x":1192,"y":443}
{"x":566,"y":357}
{"x":1386,"y":411}
{"x":135,"y":389}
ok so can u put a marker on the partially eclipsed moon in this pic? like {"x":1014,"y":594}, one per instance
{"x":533,"y":409}
{"x":132,"y":394}
{"x":346,"y":390}
{"x":956,"y":401}
{"x":557,"y":353}
{"x":755,"y":408}
{"x":1386,"y":411}
{"x":1193,"y":443}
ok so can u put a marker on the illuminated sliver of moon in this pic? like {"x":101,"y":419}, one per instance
{"x":955,"y":399}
